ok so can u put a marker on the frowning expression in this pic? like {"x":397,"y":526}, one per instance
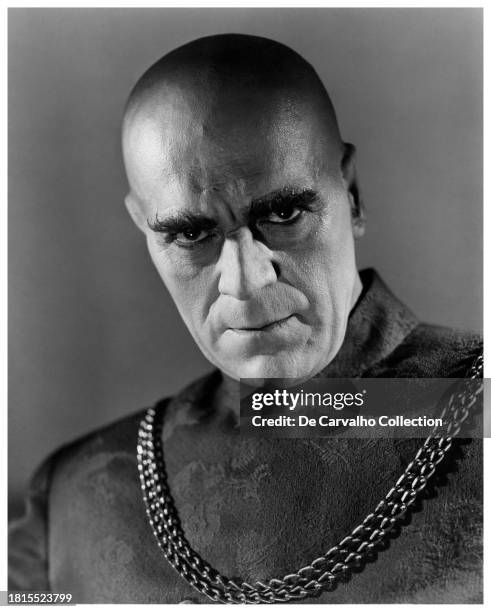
{"x":247,"y":217}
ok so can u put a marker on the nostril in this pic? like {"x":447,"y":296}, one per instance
{"x":276,"y":268}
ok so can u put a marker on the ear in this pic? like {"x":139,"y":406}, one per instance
{"x":348,"y":169}
{"x":135,"y":210}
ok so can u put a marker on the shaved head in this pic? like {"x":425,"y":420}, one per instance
{"x":233,"y":67}
{"x":247,"y":197}
{"x":213,"y":86}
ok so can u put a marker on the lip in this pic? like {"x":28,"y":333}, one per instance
{"x":274,"y":325}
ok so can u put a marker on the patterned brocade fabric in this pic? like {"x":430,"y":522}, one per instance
{"x":260,"y":508}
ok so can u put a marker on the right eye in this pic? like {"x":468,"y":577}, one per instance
{"x":191,"y":236}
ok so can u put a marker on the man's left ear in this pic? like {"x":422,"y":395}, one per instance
{"x":348,"y":168}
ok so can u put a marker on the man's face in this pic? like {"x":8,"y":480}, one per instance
{"x":249,"y":226}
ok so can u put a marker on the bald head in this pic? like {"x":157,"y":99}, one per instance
{"x":233,"y":66}
{"x":221,"y":99}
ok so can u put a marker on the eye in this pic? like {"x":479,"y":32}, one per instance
{"x":283,"y":213}
{"x":191,"y":236}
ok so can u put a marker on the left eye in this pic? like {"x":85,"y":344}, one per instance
{"x":283,"y":213}
{"x":191,"y":236}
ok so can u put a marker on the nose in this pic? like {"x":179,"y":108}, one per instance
{"x":245,"y":265}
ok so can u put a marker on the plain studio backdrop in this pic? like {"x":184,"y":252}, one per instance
{"x":93,"y":333}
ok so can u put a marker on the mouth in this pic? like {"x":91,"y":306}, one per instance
{"x":274,"y":325}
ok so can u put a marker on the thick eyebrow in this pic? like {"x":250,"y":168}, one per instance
{"x":180,"y":222}
{"x":303,"y":198}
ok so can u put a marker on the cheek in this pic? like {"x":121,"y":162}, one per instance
{"x":323,"y":261}
{"x":323,"y":270}
{"x":191,"y":288}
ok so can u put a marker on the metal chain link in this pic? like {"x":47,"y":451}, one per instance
{"x":335,"y":565}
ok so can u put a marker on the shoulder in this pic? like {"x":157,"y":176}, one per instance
{"x":62,"y":489}
{"x":446,"y":341}
{"x":432,"y":351}
{"x":106,"y":447}
{"x":111,"y":447}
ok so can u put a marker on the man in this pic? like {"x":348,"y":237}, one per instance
{"x":249,"y":203}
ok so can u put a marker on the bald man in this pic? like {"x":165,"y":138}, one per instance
{"x":248,"y":201}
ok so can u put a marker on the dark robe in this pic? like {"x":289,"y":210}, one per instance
{"x":259,"y":508}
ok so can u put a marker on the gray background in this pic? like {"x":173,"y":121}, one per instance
{"x":93,"y":333}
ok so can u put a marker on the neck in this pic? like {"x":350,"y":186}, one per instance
{"x":357,"y":291}
{"x":226,"y":400}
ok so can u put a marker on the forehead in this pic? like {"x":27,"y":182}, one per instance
{"x":184,"y":149}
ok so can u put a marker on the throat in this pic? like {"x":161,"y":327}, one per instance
{"x":226,"y":401}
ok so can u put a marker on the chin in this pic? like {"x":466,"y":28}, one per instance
{"x":263,"y":367}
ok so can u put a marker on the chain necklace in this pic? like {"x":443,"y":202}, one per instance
{"x":335,"y":565}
